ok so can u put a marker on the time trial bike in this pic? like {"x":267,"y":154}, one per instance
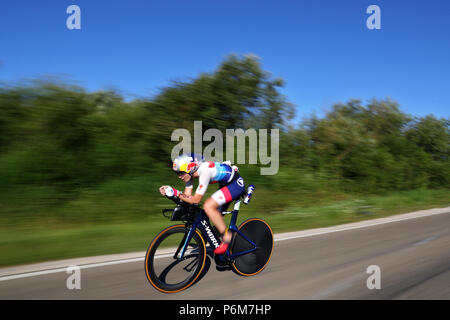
{"x":177,"y":256}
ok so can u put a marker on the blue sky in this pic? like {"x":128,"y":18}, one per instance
{"x":322,"y":49}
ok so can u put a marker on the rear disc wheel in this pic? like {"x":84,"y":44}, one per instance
{"x":260,"y":233}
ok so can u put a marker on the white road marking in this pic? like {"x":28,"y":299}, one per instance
{"x":278,"y":237}
{"x":43,"y":272}
{"x":362,"y":224}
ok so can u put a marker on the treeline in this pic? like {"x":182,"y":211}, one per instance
{"x":59,"y":135}
{"x":373,"y":148}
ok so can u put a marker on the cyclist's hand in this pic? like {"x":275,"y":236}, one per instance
{"x":168,"y":191}
{"x":162,"y":190}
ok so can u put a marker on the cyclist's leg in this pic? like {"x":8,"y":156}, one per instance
{"x":222,"y":197}
{"x":222,"y":207}
{"x":228,"y":193}
{"x":211,"y":207}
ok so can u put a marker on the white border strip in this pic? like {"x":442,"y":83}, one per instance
{"x":43,"y":272}
{"x":361,"y":224}
{"x":278,"y":237}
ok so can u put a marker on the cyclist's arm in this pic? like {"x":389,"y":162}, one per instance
{"x":189,"y":187}
{"x":191,"y":199}
{"x":204,"y":179}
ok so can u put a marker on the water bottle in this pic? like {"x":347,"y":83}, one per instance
{"x":250,"y":190}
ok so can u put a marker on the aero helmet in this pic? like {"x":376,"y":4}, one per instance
{"x":187,"y":163}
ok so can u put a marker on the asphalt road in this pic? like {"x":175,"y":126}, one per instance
{"x":413,"y":257}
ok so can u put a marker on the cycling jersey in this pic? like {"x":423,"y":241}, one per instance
{"x":225,"y":175}
{"x":213,"y":172}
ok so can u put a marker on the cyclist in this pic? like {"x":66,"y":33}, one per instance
{"x":231,"y":186}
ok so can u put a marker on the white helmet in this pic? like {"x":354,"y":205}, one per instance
{"x":187,"y":163}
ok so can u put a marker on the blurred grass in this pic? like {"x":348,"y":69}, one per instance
{"x":38,"y":224}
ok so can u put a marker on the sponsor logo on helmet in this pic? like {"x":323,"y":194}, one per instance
{"x":191,"y":166}
{"x":183,"y":167}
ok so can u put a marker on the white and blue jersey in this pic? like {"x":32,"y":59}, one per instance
{"x":222,"y":173}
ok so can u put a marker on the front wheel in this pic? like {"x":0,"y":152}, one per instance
{"x":260,"y":233}
{"x":167,"y":273}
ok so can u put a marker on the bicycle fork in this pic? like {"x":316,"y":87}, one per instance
{"x":179,"y":254}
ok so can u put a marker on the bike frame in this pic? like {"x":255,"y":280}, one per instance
{"x":202,"y":223}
